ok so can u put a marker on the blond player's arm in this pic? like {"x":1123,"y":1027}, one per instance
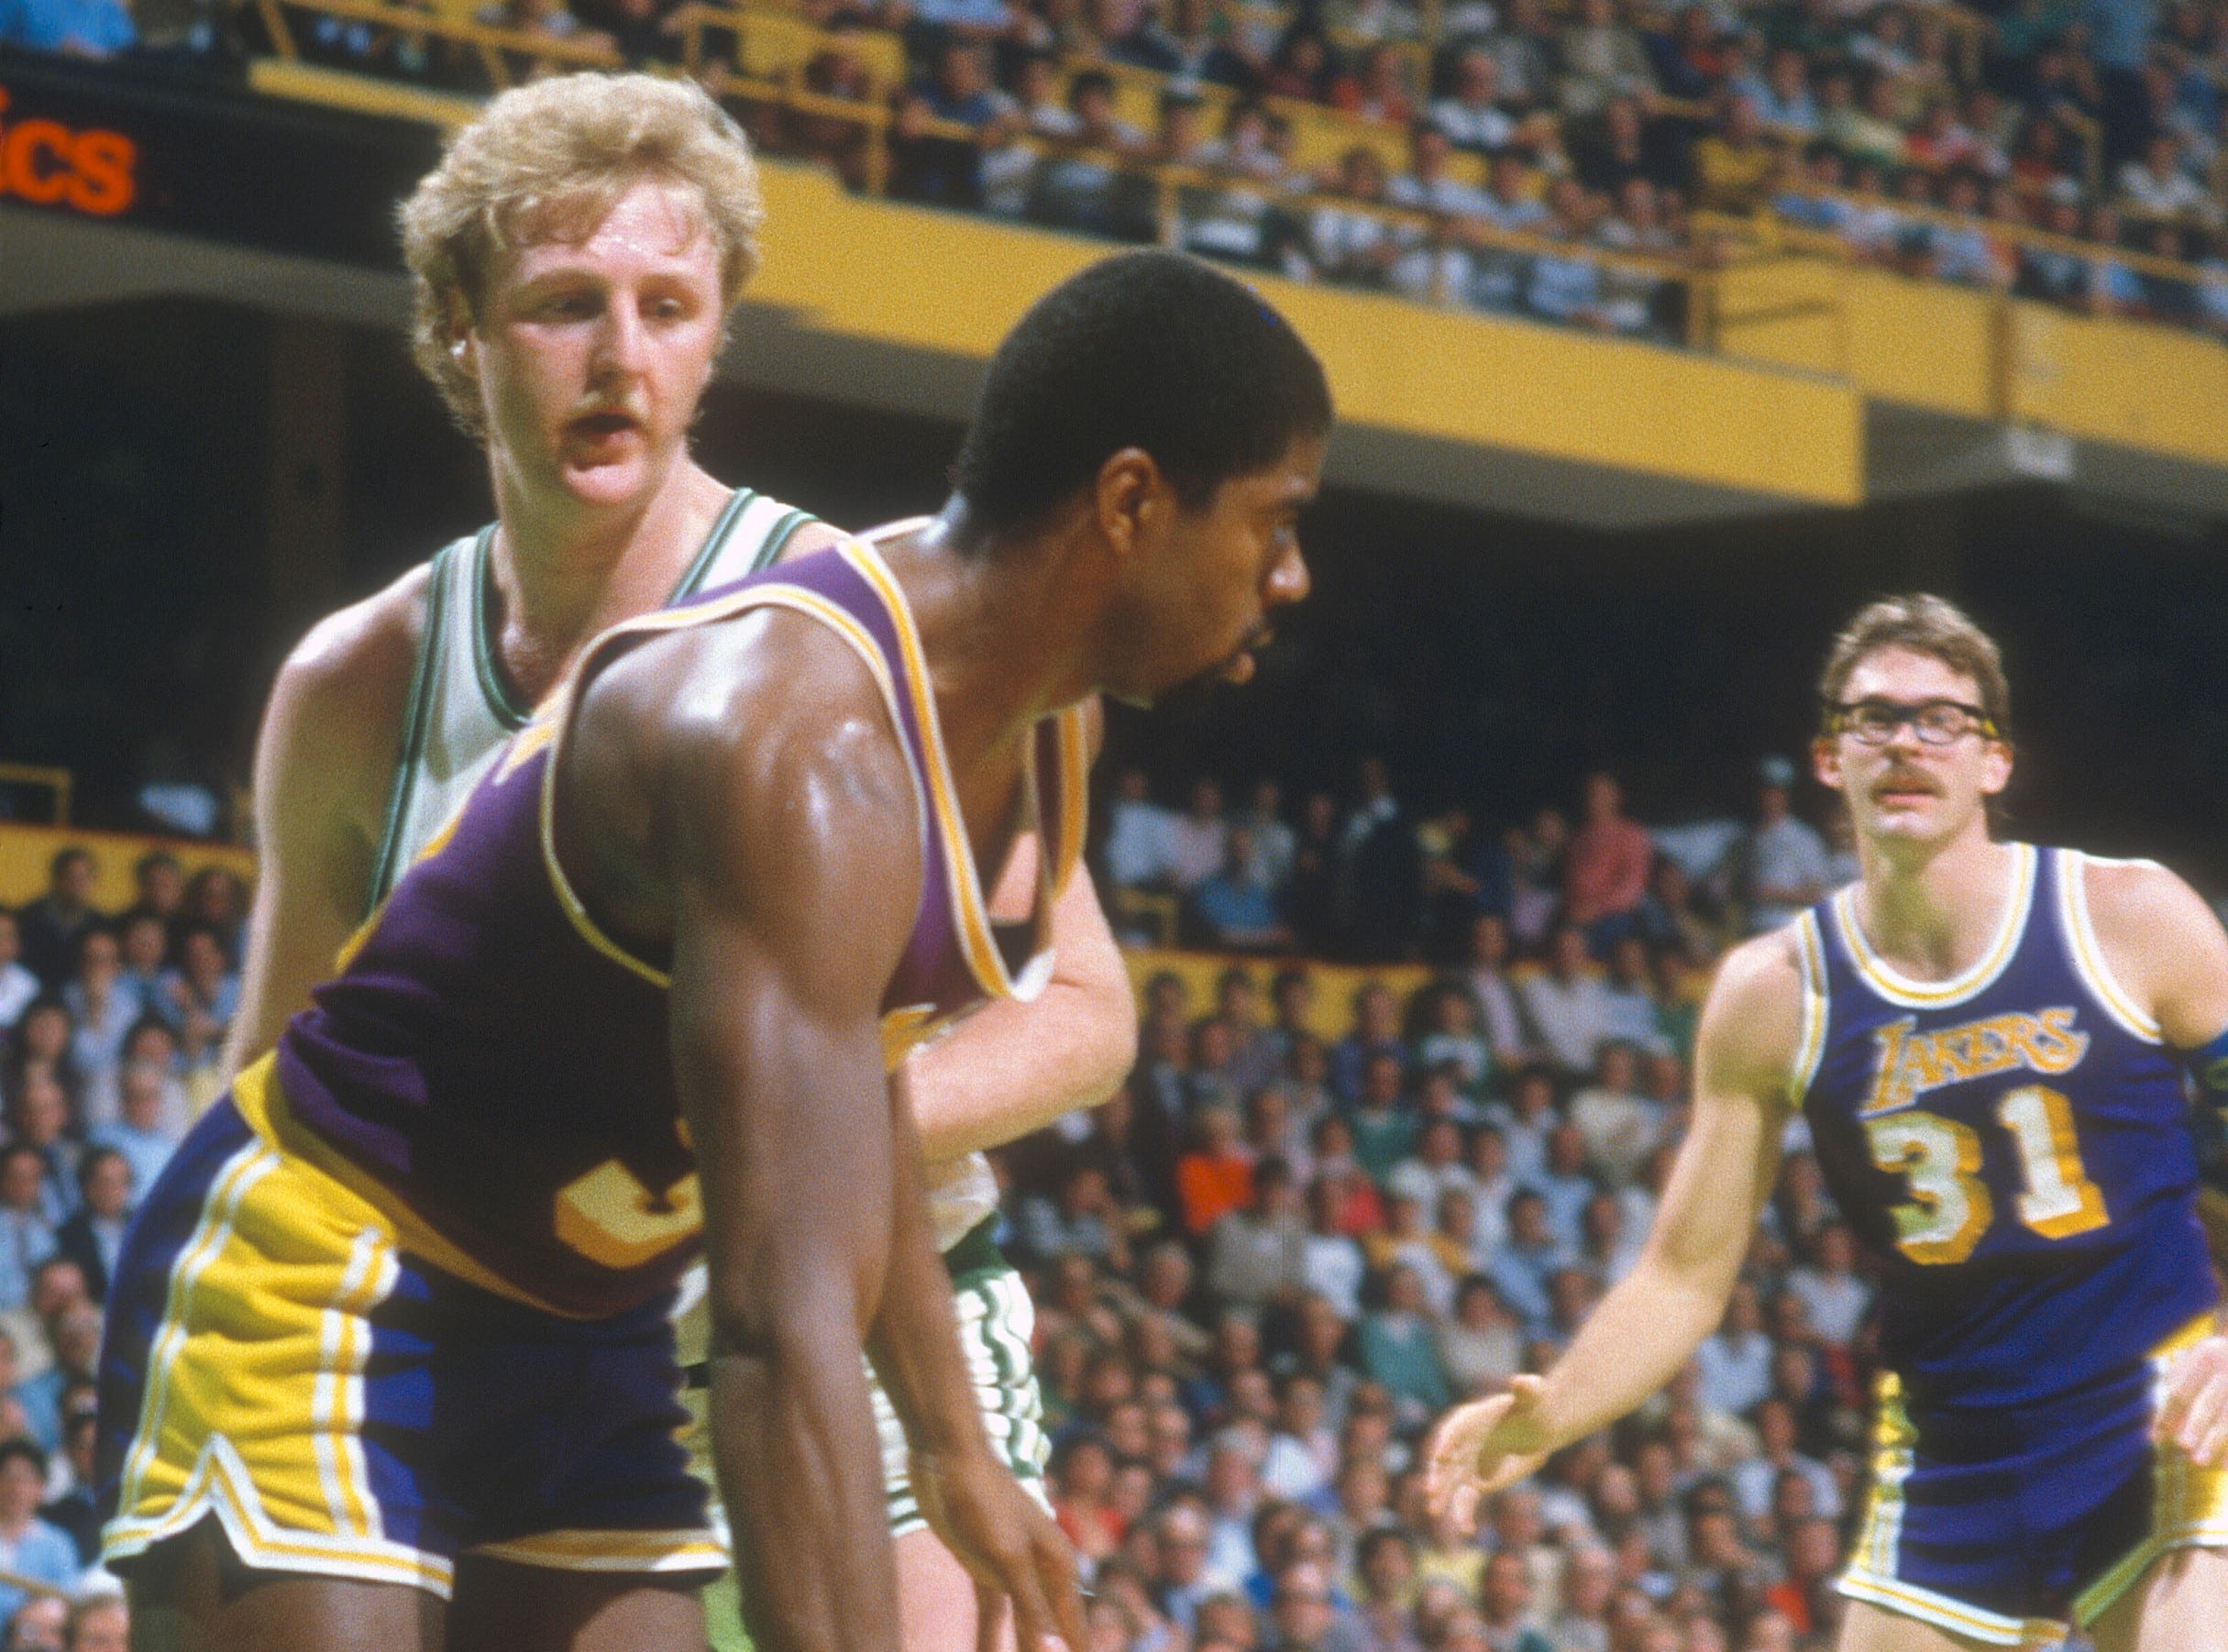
{"x":2164,"y":947}
{"x":1643,"y":1330}
{"x":1014,"y":1068}
{"x":323,"y":766}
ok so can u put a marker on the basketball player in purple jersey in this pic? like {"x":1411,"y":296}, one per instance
{"x":576,"y":349}
{"x":1989,"y":1043}
{"x":399,"y":1307}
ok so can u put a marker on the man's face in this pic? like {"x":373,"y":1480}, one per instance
{"x":1206,"y":583}
{"x":1907,"y":790}
{"x":73,"y":880}
{"x":590,"y":356}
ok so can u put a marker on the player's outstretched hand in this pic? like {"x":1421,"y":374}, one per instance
{"x":1007,"y":1542}
{"x":1479,"y":1447}
{"x":2194,"y":1412}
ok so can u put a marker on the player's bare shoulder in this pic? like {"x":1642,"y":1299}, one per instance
{"x":333,"y":724}
{"x":2162,"y":944}
{"x":350,"y":674}
{"x":768,"y":725}
{"x":1751,"y":1028}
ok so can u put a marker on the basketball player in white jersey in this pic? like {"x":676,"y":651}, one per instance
{"x":575,"y":258}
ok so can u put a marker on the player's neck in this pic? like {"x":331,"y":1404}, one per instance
{"x":562,"y":569}
{"x":1932,"y":913}
{"x":999,"y":631}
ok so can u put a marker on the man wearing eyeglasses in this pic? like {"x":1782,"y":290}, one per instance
{"x":1988,"y":1042}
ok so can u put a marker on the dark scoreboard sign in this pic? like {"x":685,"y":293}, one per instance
{"x":204,"y":157}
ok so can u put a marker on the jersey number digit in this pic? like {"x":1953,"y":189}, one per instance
{"x":1942,"y":1160}
{"x":609,"y":1217}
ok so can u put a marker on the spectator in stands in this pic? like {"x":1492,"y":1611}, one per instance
{"x":29,"y":1547}
{"x":1566,"y":290}
{"x":1452,"y":1040}
{"x":1599,"y":57}
{"x":74,"y":28}
{"x":836,"y":73}
{"x":102,"y":1011}
{"x":1139,"y":847}
{"x":26,"y":1238}
{"x":19,"y":986}
{"x":1380,"y":872}
{"x":1311,"y":903}
{"x":1605,"y":868}
{"x":1197,"y":838}
{"x":1216,"y":1176}
{"x":942,"y":168}
{"x":1730,"y":165}
{"x":1469,"y":112}
{"x":1567,"y":1005}
{"x":1782,"y":98}
{"x":1618,"y":1125}
{"x":1384,"y":1130}
{"x":1780,"y":865}
{"x":1833,"y":1296}
{"x":1235,"y":907}
{"x":1734,"y":1364}
{"x":141,"y":1131}
{"x":94,"y":1232}
{"x":143,"y":944}
{"x":1965,"y":252}
{"x":2159,"y":186}
{"x":1396,"y":1348}
{"x":2052,"y":271}
{"x":1688,"y":59}
{"x":1257,"y":1255}
{"x":1374,"y":1036}
{"x":1623,"y":144}
{"x":38,"y":1119}
{"x":52,"y":925}
{"x":1526,"y":47}
{"x":1351,"y":241}
{"x":1193,"y":45}
{"x":203,"y":994}
{"x":1303,"y":65}
{"x":2114,"y":288}
{"x":1331,"y":1264}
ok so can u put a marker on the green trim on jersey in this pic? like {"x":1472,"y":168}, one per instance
{"x":508,"y":711}
{"x":709,"y":551}
{"x":415,"y":715}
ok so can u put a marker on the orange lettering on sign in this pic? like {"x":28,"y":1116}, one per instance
{"x":47,"y":164}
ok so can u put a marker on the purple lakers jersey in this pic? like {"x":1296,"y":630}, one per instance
{"x":2012,"y":1143}
{"x":492,"y":1069}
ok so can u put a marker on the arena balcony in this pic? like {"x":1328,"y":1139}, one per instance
{"x":1752,"y":368}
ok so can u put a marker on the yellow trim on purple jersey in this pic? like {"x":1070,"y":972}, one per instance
{"x":1897,"y":988}
{"x":2088,"y":960}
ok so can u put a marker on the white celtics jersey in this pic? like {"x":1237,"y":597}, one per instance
{"x":461,"y":711}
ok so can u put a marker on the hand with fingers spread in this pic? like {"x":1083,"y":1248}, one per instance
{"x":1007,"y":1542}
{"x":1481,"y":1446}
{"x":2194,"y":1412}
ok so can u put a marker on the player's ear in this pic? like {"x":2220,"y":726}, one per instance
{"x":1129,"y":501}
{"x":1995,"y":767}
{"x":463,"y":348}
{"x":1826,"y":763}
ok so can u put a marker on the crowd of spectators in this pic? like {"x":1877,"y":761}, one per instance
{"x":2066,"y":150}
{"x":1369,"y":880}
{"x":111,"y":1027}
{"x":1271,"y":1260}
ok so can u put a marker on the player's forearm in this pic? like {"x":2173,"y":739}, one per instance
{"x":799,"y":1467}
{"x":1632,"y":1344}
{"x":1013,"y":1067}
{"x":914,"y":1339}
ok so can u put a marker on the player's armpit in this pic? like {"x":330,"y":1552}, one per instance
{"x":325,"y":764}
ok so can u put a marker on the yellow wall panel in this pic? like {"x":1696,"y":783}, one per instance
{"x":2122,"y":381}
{"x":938,"y":282}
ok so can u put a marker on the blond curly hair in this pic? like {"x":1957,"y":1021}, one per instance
{"x":549,"y":161}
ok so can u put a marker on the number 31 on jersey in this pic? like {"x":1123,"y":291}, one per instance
{"x":1951,"y":1206}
